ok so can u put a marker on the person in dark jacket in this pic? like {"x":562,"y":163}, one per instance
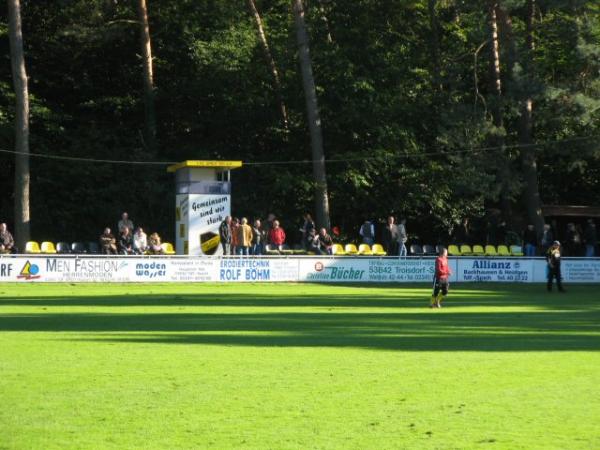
{"x":591,"y":239}
{"x":573,"y":241}
{"x":530,"y":240}
{"x":547,"y":238}
{"x":225,"y":235}
{"x":389,"y":237}
{"x":126,"y":242}
{"x":258,"y":238}
{"x":553,"y":260}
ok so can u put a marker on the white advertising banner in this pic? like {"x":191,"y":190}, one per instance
{"x":300,"y":269}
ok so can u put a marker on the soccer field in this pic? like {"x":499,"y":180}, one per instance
{"x":298,"y":366}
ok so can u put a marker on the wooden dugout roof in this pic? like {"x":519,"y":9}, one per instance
{"x":218,"y":165}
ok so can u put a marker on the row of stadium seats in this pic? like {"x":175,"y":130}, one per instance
{"x":488,"y":250}
{"x":363,"y":249}
{"x":48,"y":248}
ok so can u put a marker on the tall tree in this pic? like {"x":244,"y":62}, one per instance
{"x":314,"y":119}
{"x":268,"y":55}
{"x":149,"y":93}
{"x":19,"y":74}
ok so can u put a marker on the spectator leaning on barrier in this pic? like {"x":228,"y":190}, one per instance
{"x":7,"y":243}
{"x":591,"y":239}
{"x":140,"y":241}
{"x":108,"y":243}
{"x":402,"y":237}
{"x":277,"y":236}
{"x":530,"y":241}
{"x":312,"y":243}
{"x":573,"y":241}
{"x":244,"y":239}
{"x":125,"y":222}
{"x":325,"y":241}
{"x":258,"y":238}
{"x":307,"y":227}
{"x":367,"y":232}
{"x":225,"y":235}
{"x":553,"y":259}
{"x":126,"y":242}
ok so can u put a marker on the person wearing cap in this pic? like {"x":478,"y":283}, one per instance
{"x":553,"y":259}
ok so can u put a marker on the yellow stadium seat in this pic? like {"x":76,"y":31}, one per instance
{"x":32,"y":247}
{"x":350,"y":249}
{"x":48,"y":247}
{"x":466,"y":250}
{"x":364,"y":249}
{"x":337,"y":249}
{"x":168,"y":248}
{"x":503,"y":250}
{"x":453,"y":250}
{"x":490,"y":250}
{"x":516,"y":250}
{"x":378,"y":250}
{"x":478,"y":250}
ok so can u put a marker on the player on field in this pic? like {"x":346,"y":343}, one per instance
{"x":441,"y":284}
{"x":553,"y":260}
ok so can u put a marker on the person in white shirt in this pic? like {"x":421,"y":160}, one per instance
{"x":140,"y":241}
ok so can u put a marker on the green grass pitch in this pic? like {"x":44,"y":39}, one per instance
{"x":298,"y":366}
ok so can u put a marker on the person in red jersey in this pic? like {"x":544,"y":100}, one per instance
{"x":441,"y":283}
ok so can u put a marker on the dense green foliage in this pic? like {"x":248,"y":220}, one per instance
{"x":390,"y":89}
{"x":297,"y":366}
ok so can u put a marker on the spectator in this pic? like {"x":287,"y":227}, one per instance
{"x":108,"y":243}
{"x":140,"y":241}
{"x":573,"y":241}
{"x":402,"y":237}
{"x":367,"y":232}
{"x":501,"y":233}
{"x":235,"y":223}
{"x":225,"y":235}
{"x":390,"y":237}
{"x":244,"y":240}
{"x":463,"y":232}
{"x":269,"y":226}
{"x":125,"y":223}
{"x":325,"y":241}
{"x":307,"y":227}
{"x":591,"y":239}
{"x":277,"y":236}
{"x":126,"y":242}
{"x":311,"y":243}
{"x":7,"y":243}
{"x":258,"y":238}
{"x":530,"y":240}
{"x":547,"y":238}
{"x":155,"y":245}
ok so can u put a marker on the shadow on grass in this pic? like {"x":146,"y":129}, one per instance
{"x":327,"y":322}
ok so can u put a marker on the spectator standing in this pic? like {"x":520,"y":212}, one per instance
{"x":307,"y":227}
{"x":591,"y":239}
{"x":126,"y":242}
{"x":463,"y":233}
{"x":277,"y":236}
{"x":225,"y":235}
{"x":547,"y":238}
{"x":390,"y":237}
{"x":269,"y":226}
{"x":553,"y":259}
{"x":530,"y":240}
{"x":155,"y":245}
{"x":244,"y":241}
{"x":325,"y":241}
{"x":7,"y":242}
{"x":140,"y":241}
{"x":258,"y":238}
{"x":573,"y":241}
{"x":108,"y":243}
{"x":402,"y":237}
{"x":367,"y":232}
{"x":235,"y":223}
{"x":501,"y":233}
{"x":125,"y":222}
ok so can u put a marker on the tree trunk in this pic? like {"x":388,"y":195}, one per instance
{"x":149,"y":106}
{"x":314,"y":121}
{"x":22,"y":176}
{"x":262,"y":37}
{"x":325,"y":21}
{"x":529,"y":161}
{"x":528,"y":156}
{"x":435,"y":46}
{"x":498,"y":139}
